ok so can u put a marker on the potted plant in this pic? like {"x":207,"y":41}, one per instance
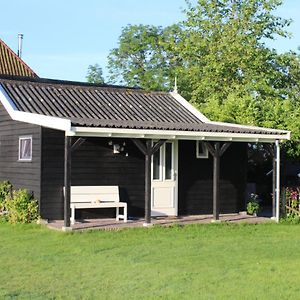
{"x":253,"y":206}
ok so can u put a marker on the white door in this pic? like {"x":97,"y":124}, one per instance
{"x":164,"y":180}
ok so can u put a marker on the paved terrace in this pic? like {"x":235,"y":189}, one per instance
{"x":112,"y":224}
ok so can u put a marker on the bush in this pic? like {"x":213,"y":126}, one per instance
{"x":291,"y":218}
{"x":5,"y":190}
{"x":253,"y":206}
{"x":20,"y":207}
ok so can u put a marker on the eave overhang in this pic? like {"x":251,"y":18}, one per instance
{"x":175,"y":134}
{"x":65,"y":124}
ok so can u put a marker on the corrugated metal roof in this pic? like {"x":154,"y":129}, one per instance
{"x":108,"y":106}
{"x":11,"y":64}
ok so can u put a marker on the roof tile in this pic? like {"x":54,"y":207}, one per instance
{"x":109,"y":106}
{"x":11,"y":64}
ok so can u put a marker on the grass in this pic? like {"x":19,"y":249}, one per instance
{"x":215,"y":261}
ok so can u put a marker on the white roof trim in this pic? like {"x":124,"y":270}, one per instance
{"x":175,"y":134}
{"x":248,"y":127}
{"x":204,"y":119}
{"x":189,"y":107}
{"x":32,"y":118}
{"x":65,"y":125}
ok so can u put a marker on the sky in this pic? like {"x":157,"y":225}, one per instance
{"x":63,"y":37}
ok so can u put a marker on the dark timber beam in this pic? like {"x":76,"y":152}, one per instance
{"x":216,"y":151}
{"x":148,"y":183}
{"x":77,"y":143}
{"x":67,"y":182}
{"x":272,"y":151}
{"x":148,"y":150}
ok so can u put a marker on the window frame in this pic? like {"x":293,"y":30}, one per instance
{"x":162,"y":162}
{"x":22,"y":138}
{"x":205,"y":153}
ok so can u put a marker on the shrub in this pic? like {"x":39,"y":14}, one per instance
{"x":5,"y":190}
{"x":253,"y":206}
{"x":291,"y":218}
{"x":21,"y":207}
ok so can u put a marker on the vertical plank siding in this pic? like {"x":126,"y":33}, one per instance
{"x":20,"y":174}
{"x":195,"y":184}
{"x":93,"y":163}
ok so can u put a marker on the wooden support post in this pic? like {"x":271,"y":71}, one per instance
{"x":148,"y":151}
{"x":274,"y":185}
{"x":272,"y":152}
{"x":216,"y":183}
{"x":277,"y":186}
{"x":148,"y":183}
{"x":216,"y":151}
{"x":67,"y":182}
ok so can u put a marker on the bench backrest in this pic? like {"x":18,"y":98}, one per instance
{"x":85,"y":194}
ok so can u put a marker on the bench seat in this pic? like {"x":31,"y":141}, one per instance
{"x":85,"y":197}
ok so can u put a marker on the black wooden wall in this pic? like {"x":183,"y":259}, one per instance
{"x":195,"y":180}
{"x":93,"y":163}
{"x":20,"y":174}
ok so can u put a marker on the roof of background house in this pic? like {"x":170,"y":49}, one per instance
{"x":11,"y":64}
{"x":87,"y":105}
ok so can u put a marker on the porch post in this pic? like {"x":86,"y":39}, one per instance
{"x":216,"y":183}
{"x":277,"y":187}
{"x":148,"y":183}
{"x":67,"y":182}
{"x":272,"y":151}
{"x":216,"y":152}
{"x":148,"y":150}
{"x":274,"y":184}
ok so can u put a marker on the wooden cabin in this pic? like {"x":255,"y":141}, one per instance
{"x":166,"y":157}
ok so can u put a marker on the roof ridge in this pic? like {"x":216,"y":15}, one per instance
{"x":76,"y":84}
{"x":20,"y":60}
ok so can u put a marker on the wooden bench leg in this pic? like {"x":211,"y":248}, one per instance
{"x":72,"y":219}
{"x":117,"y":214}
{"x":125,"y":213}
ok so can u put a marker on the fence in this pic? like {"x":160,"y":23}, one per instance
{"x":290,"y":200}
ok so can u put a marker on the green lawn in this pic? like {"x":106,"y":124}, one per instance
{"x":193,"y":262}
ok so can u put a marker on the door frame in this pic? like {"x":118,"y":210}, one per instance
{"x":162,"y":175}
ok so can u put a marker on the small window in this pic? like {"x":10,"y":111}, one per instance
{"x":156,"y":166}
{"x":201,"y":150}
{"x":25,"y":148}
{"x":168,"y":161}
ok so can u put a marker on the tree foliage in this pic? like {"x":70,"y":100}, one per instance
{"x":220,"y":56}
{"x":145,"y":57}
{"x":95,"y":74}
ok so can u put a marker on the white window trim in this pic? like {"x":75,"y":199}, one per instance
{"x":160,"y":164}
{"x":172,"y":162}
{"x":25,"y":137}
{"x":201,"y":155}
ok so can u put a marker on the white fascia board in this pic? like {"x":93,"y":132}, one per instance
{"x":249,"y":127}
{"x":189,"y":107}
{"x":174,"y":134}
{"x":204,"y":119}
{"x":32,"y":118}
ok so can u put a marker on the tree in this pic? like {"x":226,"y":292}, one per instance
{"x":95,"y":74}
{"x":220,"y":56}
{"x":145,"y":57}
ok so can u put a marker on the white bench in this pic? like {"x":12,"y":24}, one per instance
{"x":97,"y":197}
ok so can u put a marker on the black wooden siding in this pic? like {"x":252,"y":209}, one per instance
{"x":195,"y":180}
{"x":20,"y":174}
{"x":93,"y":163}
